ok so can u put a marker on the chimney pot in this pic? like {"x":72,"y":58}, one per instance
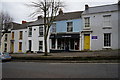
{"x":24,"y":22}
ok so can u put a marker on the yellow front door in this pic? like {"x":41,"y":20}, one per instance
{"x":86,"y":41}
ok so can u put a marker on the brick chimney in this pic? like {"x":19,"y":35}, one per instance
{"x":24,"y":22}
{"x":86,"y":7}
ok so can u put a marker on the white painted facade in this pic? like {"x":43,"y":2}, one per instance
{"x":6,"y":42}
{"x":97,"y":28}
{"x":17,"y":40}
{"x":35,"y":38}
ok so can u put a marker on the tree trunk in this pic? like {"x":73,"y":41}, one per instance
{"x":45,"y":42}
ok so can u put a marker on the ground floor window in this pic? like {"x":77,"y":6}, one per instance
{"x":68,"y":44}
{"x":20,"y":46}
{"x":53,"y":43}
{"x":5,"y":49}
{"x":40,"y":45}
{"x":107,"y":39}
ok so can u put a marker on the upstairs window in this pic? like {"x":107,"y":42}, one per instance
{"x":6,"y":37}
{"x":54,"y":27}
{"x":20,"y":35}
{"x":69,"y":26}
{"x":30,"y":32}
{"x":12,"y":35}
{"x":87,"y":22}
{"x":41,"y":31}
{"x":107,"y":20}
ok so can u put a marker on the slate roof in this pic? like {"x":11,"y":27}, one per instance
{"x":103,"y":8}
{"x":17,"y":26}
{"x":37,"y":22}
{"x":69,"y":16}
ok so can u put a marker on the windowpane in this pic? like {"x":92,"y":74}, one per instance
{"x":69,"y":26}
{"x":87,"y":22}
{"x":54,"y":27}
{"x":21,"y":33}
{"x":107,"y":39}
{"x":12,"y":35}
{"x":5,"y":50}
{"x":5,"y":37}
{"x":20,"y":45}
{"x":40,"y":31}
{"x":40,"y":45}
{"x":107,"y":21}
{"x":30,"y":31}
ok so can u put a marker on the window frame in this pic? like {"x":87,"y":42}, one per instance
{"x":20,"y":35}
{"x":106,"y":23}
{"x":108,"y":40}
{"x":70,"y":27}
{"x":41,"y":31}
{"x":40,"y":46}
{"x":87,"y":22}
{"x":6,"y":37}
{"x":30,"y":32}
{"x":53,"y":27}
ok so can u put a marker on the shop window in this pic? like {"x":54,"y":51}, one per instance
{"x":53,"y":43}
{"x":69,"y":26}
{"x":107,"y":39}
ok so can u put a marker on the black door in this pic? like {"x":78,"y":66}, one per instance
{"x":30,"y":45}
{"x":67,"y":44}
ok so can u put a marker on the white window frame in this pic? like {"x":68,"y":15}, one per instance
{"x":69,"y":27}
{"x":40,"y":45}
{"x":107,"y":21}
{"x":110,"y":44}
{"x":41,"y":31}
{"x":54,"y":27}
{"x":87,"y":22}
{"x":30,"y":32}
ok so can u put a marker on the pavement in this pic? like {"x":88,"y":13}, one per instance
{"x":74,"y":54}
{"x":110,"y":56}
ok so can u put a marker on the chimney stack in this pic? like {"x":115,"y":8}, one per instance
{"x":40,"y":17}
{"x":86,"y":7}
{"x":24,"y":22}
{"x":60,"y":12}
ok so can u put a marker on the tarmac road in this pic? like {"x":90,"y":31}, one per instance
{"x":59,"y":70}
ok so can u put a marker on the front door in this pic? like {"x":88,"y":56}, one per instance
{"x":87,"y":42}
{"x":12,"y":47}
{"x":30,"y":45}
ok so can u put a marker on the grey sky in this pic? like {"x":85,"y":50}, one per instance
{"x":19,"y":11}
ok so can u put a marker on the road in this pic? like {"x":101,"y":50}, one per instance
{"x":59,"y":70}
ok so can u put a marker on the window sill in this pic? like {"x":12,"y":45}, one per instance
{"x":106,"y":48}
{"x":107,"y":27}
{"x":86,"y":28}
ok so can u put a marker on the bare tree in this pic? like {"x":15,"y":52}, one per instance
{"x":5,"y":18}
{"x":49,"y":10}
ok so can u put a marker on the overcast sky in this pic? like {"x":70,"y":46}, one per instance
{"x":18,"y":10}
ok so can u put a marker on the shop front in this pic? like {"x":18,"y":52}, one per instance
{"x":67,"y":42}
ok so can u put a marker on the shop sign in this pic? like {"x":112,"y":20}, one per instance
{"x":94,"y":37}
